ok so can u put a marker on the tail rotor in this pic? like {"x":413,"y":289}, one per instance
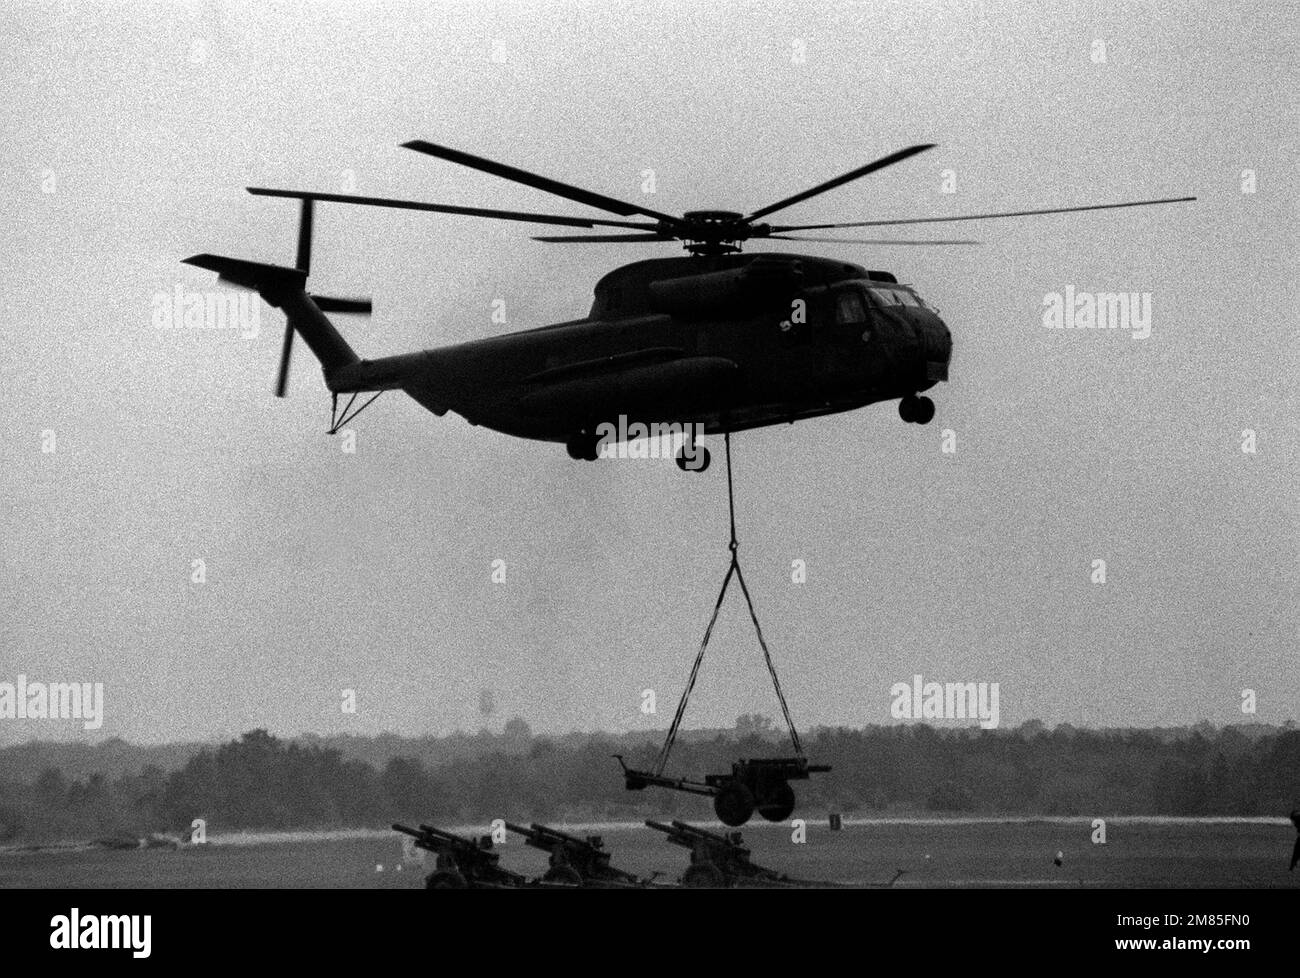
{"x":363,"y":307}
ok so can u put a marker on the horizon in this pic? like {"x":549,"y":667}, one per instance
{"x":773,"y":733}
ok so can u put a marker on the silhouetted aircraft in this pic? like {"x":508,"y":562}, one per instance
{"x":717,"y":341}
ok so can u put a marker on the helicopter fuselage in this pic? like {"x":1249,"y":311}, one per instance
{"x":725,"y":342}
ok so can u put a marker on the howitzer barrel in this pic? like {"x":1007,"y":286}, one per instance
{"x":674,"y":836}
{"x":543,"y":835}
{"x":432,"y":830}
{"x":435,"y":840}
{"x":431,"y":836}
{"x":698,"y":832}
{"x":535,"y":839}
{"x":551,"y":833}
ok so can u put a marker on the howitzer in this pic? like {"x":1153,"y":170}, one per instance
{"x":717,"y":860}
{"x":723,"y":860}
{"x":461,"y":862}
{"x":761,"y":784}
{"x":574,"y":861}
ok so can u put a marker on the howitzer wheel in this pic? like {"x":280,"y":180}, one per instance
{"x":777,"y":802}
{"x":562,"y":876}
{"x":445,"y":879}
{"x":703,"y":876}
{"x":734,"y":804}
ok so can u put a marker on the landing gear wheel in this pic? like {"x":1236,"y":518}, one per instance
{"x":582,"y":447}
{"x":734,"y":804}
{"x":916,"y":410}
{"x":697,"y":462}
{"x":562,"y":876}
{"x":777,"y":803}
{"x":445,"y":880}
{"x":703,"y":876}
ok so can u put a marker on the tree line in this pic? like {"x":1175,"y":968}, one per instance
{"x":263,"y":782}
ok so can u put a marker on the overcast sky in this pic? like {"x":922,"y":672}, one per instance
{"x":131,"y":130}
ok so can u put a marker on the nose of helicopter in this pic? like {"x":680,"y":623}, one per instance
{"x":936,"y":343}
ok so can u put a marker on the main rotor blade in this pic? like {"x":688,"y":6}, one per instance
{"x":981,"y":217}
{"x":576,"y":194}
{"x":596,"y":238}
{"x":861,"y":171}
{"x":865,"y":241}
{"x":415,"y":205}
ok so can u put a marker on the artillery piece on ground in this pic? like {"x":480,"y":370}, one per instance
{"x":575,"y":861}
{"x":719,"y":861}
{"x":462,"y":863}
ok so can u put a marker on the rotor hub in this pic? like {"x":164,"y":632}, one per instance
{"x":713,"y":217}
{"x":714,"y":232}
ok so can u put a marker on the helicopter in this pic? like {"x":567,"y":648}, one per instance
{"x":716,"y":341}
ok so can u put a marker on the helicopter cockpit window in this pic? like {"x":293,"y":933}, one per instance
{"x":896,"y":297}
{"x":849,"y":309}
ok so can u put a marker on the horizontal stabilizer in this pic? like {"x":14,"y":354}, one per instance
{"x":272,"y":281}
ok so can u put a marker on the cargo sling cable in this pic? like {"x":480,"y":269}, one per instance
{"x":732,"y":571}
{"x":763,"y":783}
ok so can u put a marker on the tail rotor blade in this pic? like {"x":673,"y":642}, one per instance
{"x":305,"y":221}
{"x":306,"y":218}
{"x":282,"y":382}
{"x":329,"y":303}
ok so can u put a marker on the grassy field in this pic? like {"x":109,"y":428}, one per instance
{"x":1148,"y":852}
